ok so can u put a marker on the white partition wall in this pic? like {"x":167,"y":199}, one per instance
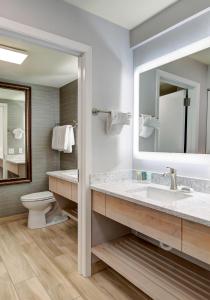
{"x":208,"y":126}
{"x":3,"y":139}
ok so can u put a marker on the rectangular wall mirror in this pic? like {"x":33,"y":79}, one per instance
{"x":15,"y":136}
{"x":174,"y":106}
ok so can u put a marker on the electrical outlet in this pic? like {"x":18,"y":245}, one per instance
{"x":11,"y":151}
{"x":20,"y":150}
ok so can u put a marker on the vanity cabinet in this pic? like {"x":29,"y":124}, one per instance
{"x":155,"y":224}
{"x":191,"y":238}
{"x":63,"y":188}
{"x":74,"y":192}
{"x":196,"y":240}
{"x":159,"y":273}
{"x":99,"y":202}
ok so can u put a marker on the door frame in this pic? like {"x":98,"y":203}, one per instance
{"x":84,"y":53}
{"x":185,"y":84}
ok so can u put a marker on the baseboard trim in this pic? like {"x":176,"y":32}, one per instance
{"x":13,"y":218}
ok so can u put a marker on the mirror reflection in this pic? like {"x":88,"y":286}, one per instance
{"x":12,"y":133}
{"x":174,"y":115}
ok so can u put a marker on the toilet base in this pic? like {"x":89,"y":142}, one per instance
{"x":42,"y":222}
{"x":50,"y":216}
{"x":57,"y":220}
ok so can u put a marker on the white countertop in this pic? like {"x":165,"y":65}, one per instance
{"x":67,"y":175}
{"x":195,"y":208}
{"x":18,"y":159}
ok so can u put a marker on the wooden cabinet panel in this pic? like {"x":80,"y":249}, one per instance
{"x":52,"y":184}
{"x":74,"y":196}
{"x":196,"y":240}
{"x":158,"y":225}
{"x":64,"y":188}
{"x":99,"y":202}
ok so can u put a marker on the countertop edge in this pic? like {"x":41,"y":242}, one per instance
{"x":63,"y":177}
{"x":149,"y":205}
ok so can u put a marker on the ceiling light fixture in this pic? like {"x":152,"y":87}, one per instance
{"x":12,"y":55}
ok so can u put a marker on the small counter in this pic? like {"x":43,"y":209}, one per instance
{"x":67,"y":175}
{"x":64,"y":186}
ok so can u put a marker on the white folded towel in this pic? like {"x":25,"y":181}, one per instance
{"x":63,"y":138}
{"x":152,"y":122}
{"x":18,"y":133}
{"x":147,"y":125}
{"x":115,"y":122}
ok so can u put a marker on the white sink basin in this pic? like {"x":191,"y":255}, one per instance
{"x":159,"y":194}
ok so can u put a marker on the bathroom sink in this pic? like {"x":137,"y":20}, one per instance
{"x":160,"y":194}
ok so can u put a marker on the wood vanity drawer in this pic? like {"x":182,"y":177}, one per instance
{"x":158,"y":225}
{"x":99,"y":202}
{"x":52,"y":184}
{"x":74,"y":194}
{"x":196,"y":240}
{"x":64,"y":188}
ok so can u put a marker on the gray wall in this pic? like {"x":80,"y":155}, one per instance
{"x":45,"y":113}
{"x":112,"y":67}
{"x":169,"y":17}
{"x":68,"y":113}
{"x":147,"y":95}
{"x":16,"y":117}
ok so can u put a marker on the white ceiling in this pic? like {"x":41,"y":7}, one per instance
{"x":126,"y":13}
{"x":43,"y":66}
{"x":202,"y":56}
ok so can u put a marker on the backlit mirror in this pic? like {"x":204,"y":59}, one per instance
{"x":15,"y":161}
{"x":174,"y":115}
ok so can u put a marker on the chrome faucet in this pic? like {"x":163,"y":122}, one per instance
{"x":172,"y":174}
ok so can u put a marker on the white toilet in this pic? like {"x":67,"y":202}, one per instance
{"x":43,"y":210}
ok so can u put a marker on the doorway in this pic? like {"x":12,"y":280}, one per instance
{"x":177,"y":98}
{"x":84,"y":54}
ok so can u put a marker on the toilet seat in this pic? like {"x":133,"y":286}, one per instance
{"x":41,"y":196}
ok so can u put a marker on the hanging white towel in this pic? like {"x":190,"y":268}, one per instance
{"x":115,"y":122}
{"x":63,"y":138}
{"x":147,"y":125}
{"x":70,"y":139}
{"x":55,"y":136}
{"x":152,"y":122}
{"x":18,"y":133}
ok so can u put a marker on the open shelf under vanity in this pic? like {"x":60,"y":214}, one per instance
{"x":178,"y":272}
{"x":162,"y":275}
{"x":72,"y":213}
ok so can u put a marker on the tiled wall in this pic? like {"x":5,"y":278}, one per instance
{"x":68,"y":113}
{"x":45,"y":113}
{"x":198,"y":184}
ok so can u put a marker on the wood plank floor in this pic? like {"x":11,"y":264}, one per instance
{"x":42,"y":265}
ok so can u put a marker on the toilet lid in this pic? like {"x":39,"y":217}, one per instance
{"x":37,"y":196}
